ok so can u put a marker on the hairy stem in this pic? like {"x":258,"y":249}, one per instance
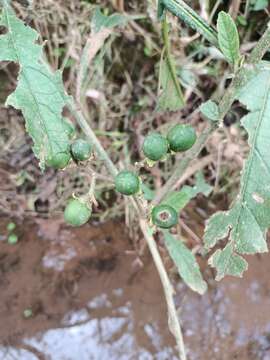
{"x":262,"y":46}
{"x":173,"y":321}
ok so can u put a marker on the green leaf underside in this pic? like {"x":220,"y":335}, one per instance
{"x":248,"y":219}
{"x":228,"y":37}
{"x":185,"y":262}
{"x":40,"y":93}
{"x":171,"y":96}
{"x":179,"y":199}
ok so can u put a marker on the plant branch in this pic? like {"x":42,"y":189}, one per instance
{"x":173,"y":321}
{"x":92,"y":137}
{"x":261,"y":48}
{"x":225,"y":104}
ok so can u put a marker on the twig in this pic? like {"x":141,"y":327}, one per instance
{"x":140,"y":209}
{"x":174,"y":324}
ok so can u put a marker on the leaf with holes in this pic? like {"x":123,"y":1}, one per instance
{"x":40,"y":94}
{"x":248,"y":219}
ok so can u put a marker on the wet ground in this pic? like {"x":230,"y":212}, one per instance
{"x":77,"y":295}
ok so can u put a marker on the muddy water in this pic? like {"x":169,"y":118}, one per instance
{"x":87,"y":299}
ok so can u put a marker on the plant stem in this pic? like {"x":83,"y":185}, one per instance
{"x":173,"y":321}
{"x":260,"y":49}
{"x":92,"y":137}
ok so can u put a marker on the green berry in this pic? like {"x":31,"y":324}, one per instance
{"x":59,"y":160}
{"x":12,"y":239}
{"x":127,"y":183}
{"x":11,"y":226}
{"x":164,"y":216}
{"x":181,"y":137}
{"x":77,"y":213}
{"x":155,"y":146}
{"x":81,"y":150}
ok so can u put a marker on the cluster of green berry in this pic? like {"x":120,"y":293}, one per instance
{"x":80,"y":150}
{"x":155,"y":147}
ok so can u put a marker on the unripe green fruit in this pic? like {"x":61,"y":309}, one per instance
{"x":127,"y":183}
{"x":77,"y":213}
{"x":181,"y":137}
{"x":164,"y":216}
{"x":81,"y":150}
{"x":155,"y":146}
{"x":12,"y":239}
{"x":59,"y":160}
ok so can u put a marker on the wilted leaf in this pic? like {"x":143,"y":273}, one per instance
{"x":186,"y":263}
{"x":228,"y":37}
{"x":40,"y":94}
{"x":170,"y":97}
{"x":247,"y":221}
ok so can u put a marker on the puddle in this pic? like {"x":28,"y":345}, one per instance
{"x":88,"y":302}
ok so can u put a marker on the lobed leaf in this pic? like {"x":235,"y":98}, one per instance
{"x":186,"y":263}
{"x":246,"y":223}
{"x":228,"y":37}
{"x":40,"y":94}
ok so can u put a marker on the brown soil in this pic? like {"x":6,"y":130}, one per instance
{"x":90,"y":300}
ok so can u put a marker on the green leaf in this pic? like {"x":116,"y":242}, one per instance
{"x":40,"y":94}
{"x":246,"y":223}
{"x":148,"y":193}
{"x":210,"y":110}
{"x":160,"y":9}
{"x":184,"y":12}
{"x":259,"y":5}
{"x":171,"y":96}
{"x":228,"y":263}
{"x":100,"y":21}
{"x":186,"y":263}
{"x":228,"y":38}
{"x":179,"y":199}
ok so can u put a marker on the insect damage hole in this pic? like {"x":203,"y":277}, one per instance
{"x":258,"y":198}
